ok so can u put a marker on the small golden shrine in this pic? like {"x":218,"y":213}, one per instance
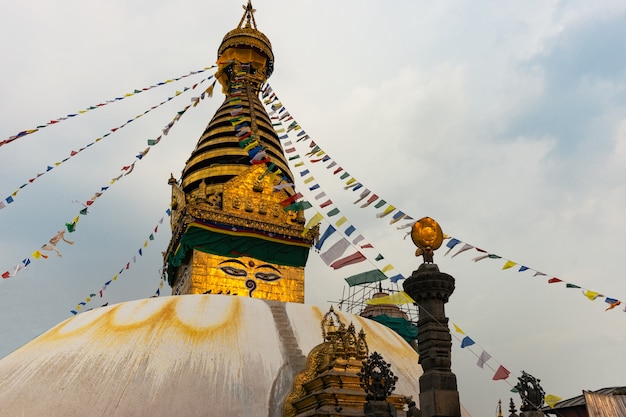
{"x":330,"y":384}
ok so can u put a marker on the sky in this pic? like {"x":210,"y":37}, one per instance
{"x":505,"y":122}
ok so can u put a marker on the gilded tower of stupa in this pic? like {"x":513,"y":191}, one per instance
{"x":235,"y":229}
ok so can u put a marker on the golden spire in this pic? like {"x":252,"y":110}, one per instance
{"x":231,"y":231}
{"x":248,"y":15}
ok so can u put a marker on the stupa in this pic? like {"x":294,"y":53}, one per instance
{"x":235,"y":337}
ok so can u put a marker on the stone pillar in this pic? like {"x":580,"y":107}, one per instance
{"x":430,"y":288}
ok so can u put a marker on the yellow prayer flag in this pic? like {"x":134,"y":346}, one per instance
{"x":389,"y":267}
{"x":508,"y":264}
{"x":251,"y":145}
{"x":308,"y":180}
{"x":320,"y":153}
{"x":551,"y":400}
{"x":318,"y":217}
{"x":114,"y":277}
{"x":341,"y":221}
{"x":178,"y":92}
{"x":36,"y":254}
{"x":350,"y":181}
{"x":458,"y":329}
{"x":299,"y":164}
{"x":397,"y":298}
{"x":76,"y":219}
{"x":87,"y":299}
{"x":386,"y":212}
{"x":592,"y":295}
{"x":82,"y":111}
{"x":145,"y":244}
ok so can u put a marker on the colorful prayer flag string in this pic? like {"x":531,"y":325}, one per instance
{"x":71,"y":226}
{"x":100,"y":293}
{"x":96,"y":106}
{"x":11,"y":198}
{"x":316,"y":154}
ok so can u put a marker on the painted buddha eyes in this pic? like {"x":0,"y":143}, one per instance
{"x":232,"y":271}
{"x":269,"y":277}
{"x":265,"y":272}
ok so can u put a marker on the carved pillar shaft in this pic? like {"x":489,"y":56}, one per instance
{"x":431,"y":289}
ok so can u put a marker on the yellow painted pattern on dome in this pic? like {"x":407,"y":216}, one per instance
{"x":153,"y":318}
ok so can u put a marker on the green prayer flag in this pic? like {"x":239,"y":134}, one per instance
{"x":379,"y":257}
{"x":366,"y":277}
{"x":571,"y":286}
{"x":380,"y":204}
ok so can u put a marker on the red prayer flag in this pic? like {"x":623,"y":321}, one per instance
{"x":553,"y":280}
{"x":501,"y":373}
{"x":348,"y":260}
{"x":290,"y":200}
{"x":7,"y":274}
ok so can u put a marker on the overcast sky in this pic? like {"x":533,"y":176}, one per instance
{"x":506,"y":122}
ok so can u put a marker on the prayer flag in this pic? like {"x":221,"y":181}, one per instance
{"x":458,"y":329}
{"x":341,"y":221}
{"x":370,"y":200}
{"x":366,"y":278}
{"x":329,"y":231}
{"x":483,"y":358}
{"x":612,"y":303}
{"x":363,"y":194}
{"x":348,"y":260}
{"x":358,"y":239}
{"x":386,"y":212}
{"x":464,"y":248}
{"x":451,"y":244}
{"x":501,"y":373}
{"x":397,"y":217}
{"x":592,"y":295}
{"x":315,"y":220}
{"x":335,"y":251}
{"x":551,"y":400}
{"x":397,"y":298}
{"x":553,"y":280}
{"x":467,"y":341}
{"x":508,"y":264}
{"x":396,"y":278}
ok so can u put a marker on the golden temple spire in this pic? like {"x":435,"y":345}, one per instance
{"x":248,"y":15}
{"x":232,"y":232}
